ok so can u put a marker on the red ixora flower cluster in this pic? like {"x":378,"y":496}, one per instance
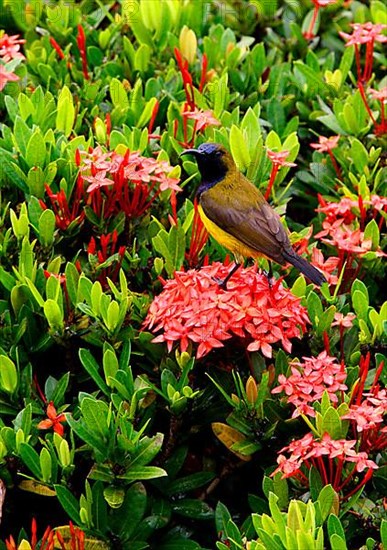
{"x":368,"y":409}
{"x":309,"y":380}
{"x":193,"y":308}
{"x":333,"y":459}
{"x":51,"y":539}
{"x":344,"y":224}
{"x":367,"y":33}
{"x":124,"y":183}
{"x":106,"y":253}
{"x":66,"y":212}
{"x":9,"y":50}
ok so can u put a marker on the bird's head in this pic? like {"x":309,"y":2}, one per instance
{"x":214,"y":162}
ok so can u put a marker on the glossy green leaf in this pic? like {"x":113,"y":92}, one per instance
{"x":46,"y":228}
{"x":239,"y":148}
{"x":139,"y":473}
{"x":192,"y":508}
{"x":66,"y":112}
{"x":36,"y":150}
{"x":68,"y":502}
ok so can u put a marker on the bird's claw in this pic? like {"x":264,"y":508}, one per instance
{"x":222,"y":283}
{"x":269,"y":277}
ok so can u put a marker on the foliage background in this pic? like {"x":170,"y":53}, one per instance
{"x":142,"y":444}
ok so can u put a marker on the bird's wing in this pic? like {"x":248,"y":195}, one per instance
{"x":240,"y":209}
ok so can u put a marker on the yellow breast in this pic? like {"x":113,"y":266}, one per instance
{"x":239,"y":250}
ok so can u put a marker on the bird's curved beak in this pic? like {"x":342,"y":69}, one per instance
{"x":194,"y":152}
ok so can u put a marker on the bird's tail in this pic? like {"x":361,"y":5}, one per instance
{"x":305,"y":267}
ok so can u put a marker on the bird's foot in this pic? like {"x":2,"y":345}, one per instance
{"x":269,"y":277}
{"x":222,"y":283}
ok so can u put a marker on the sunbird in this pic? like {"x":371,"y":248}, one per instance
{"x":238,"y":216}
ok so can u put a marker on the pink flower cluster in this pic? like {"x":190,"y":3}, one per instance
{"x":202,"y":119}
{"x":128,"y":183}
{"x":345,"y":220}
{"x":9,"y":50}
{"x":369,"y":414}
{"x":308,"y":451}
{"x":193,"y":308}
{"x":309,"y":380}
{"x":368,"y":33}
{"x":364,"y":33}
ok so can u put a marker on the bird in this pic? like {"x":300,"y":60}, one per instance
{"x":237,"y":215}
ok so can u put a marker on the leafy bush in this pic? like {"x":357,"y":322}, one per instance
{"x":142,"y":405}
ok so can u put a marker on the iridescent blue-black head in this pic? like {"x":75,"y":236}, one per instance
{"x":214,"y":161}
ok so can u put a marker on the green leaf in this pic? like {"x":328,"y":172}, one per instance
{"x":95,"y":443}
{"x":8,"y":374}
{"x":331,"y":423}
{"x":335,"y":526}
{"x":346,"y":61}
{"x":315,"y":482}
{"x":95,"y":414}
{"x":31,"y":459}
{"x":114,"y":496}
{"x":118,"y":94}
{"x":66,"y":112}
{"x":137,"y":473}
{"x":68,"y":503}
{"x":110,"y":365}
{"x":112,"y":317}
{"x":239,"y":148}
{"x":359,"y":155}
{"x":92,"y":367}
{"x":219,"y":91}
{"x":351,"y":119}
{"x":45,"y":464}
{"x":189,"y":483}
{"x":46,"y":228}
{"x":131,"y":512}
{"x":325,"y":321}
{"x":326,"y":499}
{"x":251,"y":129}
{"x":147,"y":449}
{"x":276,"y":115}
{"x":35,"y":181}
{"x":372,"y":233}
{"x":315,"y":309}
{"x":315,"y":83}
{"x":142,"y":58}
{"x":142,"y":34}
{"x":194,"y":509}
{"x":383,"y":533}
{"x":222,"y":517}
{"x":360,"y":305}
{"x":281,"y":490}
{"x":36,"y":150}
{"x":6,"y":279}
{"x":147,"y":113}
{"x":54,"y":315}
{"x":337,"y":543}
{"x":72,"y":278}
{"x":176,"y":243}
{"x":359,"y":285}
